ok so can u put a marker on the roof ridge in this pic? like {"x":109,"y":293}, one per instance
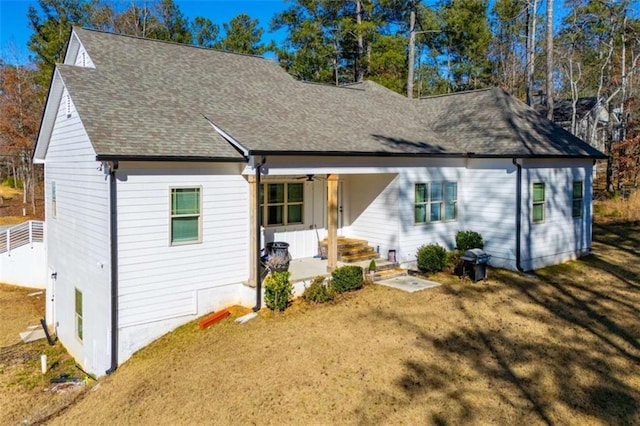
{"x":175,"y":43}
{"x":464,"y":92}
{"x":341,"y":86}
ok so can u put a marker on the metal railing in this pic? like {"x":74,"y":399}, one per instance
{"x":20,"y":235}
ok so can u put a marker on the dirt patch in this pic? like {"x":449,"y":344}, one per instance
{"x":24,"y":395}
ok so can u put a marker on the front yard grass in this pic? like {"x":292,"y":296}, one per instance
{"x":558,"y":347}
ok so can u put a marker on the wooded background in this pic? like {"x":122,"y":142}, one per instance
{"x":582,"y":72}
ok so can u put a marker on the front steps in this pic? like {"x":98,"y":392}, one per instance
{"x":359,"y":252}
{"x":352,"y":250}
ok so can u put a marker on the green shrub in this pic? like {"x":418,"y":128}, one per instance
{"x":466,"y":240}
{"x":372,"y":265}
{"x":318,"y":291}
{"x":277,"y":290}
{"x":432,"y":258}
{"x":12,"y":182}
{"x":347,"y":278}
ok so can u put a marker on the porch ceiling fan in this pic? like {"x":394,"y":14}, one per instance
{"x":310,"y":177}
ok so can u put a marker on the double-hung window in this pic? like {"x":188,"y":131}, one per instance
{"x":435,"y":202}
{"x":577,"y":199}
{"x":185,"y":215}
{"x":282,"y":203}
{"x":539,"y":200}
{"x":78,"y":314}
{"x":54,"y":203}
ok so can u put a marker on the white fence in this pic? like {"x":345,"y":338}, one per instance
{"x":22,"y":256}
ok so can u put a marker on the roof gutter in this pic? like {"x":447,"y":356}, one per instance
{"x":518,"y":213}
{"x":415,"y":154}
{"x":113,"y":233}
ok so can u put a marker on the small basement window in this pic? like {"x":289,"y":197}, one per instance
{"x":577,"y":199}
{"x":53,"y":200}
{"x":78,"y":314}
{"x":538,"y":211}
{"x":185,"y":216}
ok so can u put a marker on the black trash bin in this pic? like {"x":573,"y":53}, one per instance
{"x":277,"y":248}
{"x":475,"y":264}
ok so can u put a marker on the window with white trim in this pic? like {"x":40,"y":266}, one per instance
{"x":539,"y":201}
{"x":282,"y":203}
{"x":435,"y":202}
{"x":186,"y":219}
{"x":54,"y":205}
{"x":78,"y":315}
{"x":577,"y":198}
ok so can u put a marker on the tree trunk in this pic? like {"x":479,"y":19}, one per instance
{"x":550,"y":59}
{"x":359,"y":58}
{"x":532,"y":7}
{"x":412,"y":49}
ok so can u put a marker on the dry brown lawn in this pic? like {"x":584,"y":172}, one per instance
{"x":560,"y":347}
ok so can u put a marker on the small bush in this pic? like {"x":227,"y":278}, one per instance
{"x":12,"y":182}
{"x":372,"y":265}
{"x":466,"y":240}
{"x":347,"y":278}
{"x":318,"y":291}
{"x":454,"y":264}
{"x":432,"y":258}
{"x":277,"y":290}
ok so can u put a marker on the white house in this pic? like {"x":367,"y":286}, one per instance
{"x":154,"y":151}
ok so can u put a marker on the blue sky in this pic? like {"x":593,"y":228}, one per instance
{"x":14,"y":26}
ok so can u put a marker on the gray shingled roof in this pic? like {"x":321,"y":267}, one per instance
{"x":147,"y":98}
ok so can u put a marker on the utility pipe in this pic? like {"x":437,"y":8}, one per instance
{"x":113,"y":231}
{"x":258,"y":216}
{"x":518,"y":212}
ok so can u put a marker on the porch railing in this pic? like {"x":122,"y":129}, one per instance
{"x":20,"y":235}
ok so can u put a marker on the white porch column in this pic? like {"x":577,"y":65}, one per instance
{"x":332,"y":222}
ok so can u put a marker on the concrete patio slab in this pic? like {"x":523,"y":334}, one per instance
{"x":408,"y":283}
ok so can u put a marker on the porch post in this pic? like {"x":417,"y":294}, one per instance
{"x":332,"y":222}
{"x":253,"y":225}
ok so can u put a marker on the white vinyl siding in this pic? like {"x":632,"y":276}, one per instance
{"x":78,"y":239}
{"x":161,"y":284}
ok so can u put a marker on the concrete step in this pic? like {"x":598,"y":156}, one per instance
{"x":390,"y":273}
{"x":352,"y":258}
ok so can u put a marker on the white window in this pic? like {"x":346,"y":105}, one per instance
{"x":539,"y":201}
{"x":282,"y":203}
{"x":577,"y":199}
{"x":78,"y":314}
{"x":53,"y":200}
{"x":436,"y":202}
{"x":186,"y":220}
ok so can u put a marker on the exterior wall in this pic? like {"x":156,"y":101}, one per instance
{"x":560,"y":237}
{"x":382,"y":208}
{"x":77,"y":241}
{"x":163,"y":286}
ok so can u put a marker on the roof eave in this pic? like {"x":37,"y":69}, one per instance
{"x":169,"y":158}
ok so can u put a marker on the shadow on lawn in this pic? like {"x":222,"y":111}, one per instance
{"x":590,"y":350}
